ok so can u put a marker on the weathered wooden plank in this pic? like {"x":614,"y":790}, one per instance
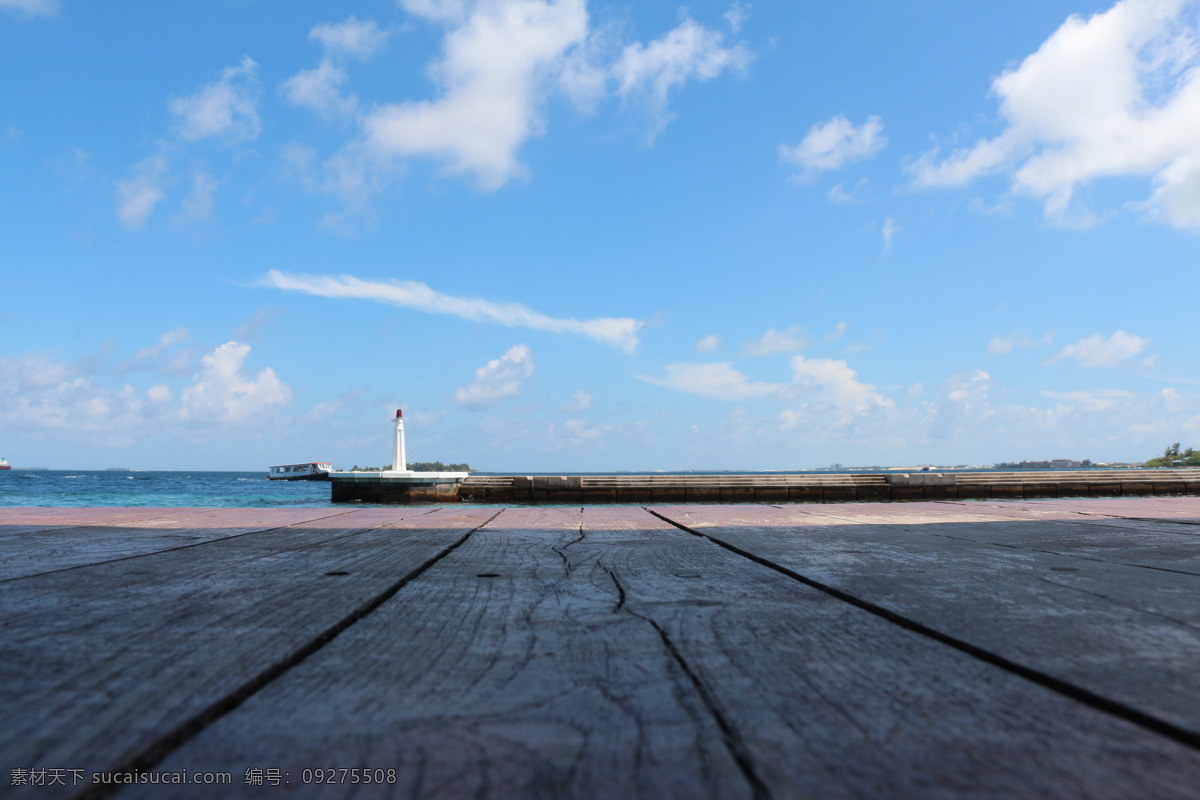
{"x":506,"y":670}
{"x":826,"y":700}
{"x":32,"y":552}
{"x":104,"y":663}
{"x":623,"y":658}
{"x":1128,"y":634}
{"x":1154,"y":544}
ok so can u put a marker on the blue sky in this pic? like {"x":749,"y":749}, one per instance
{"x":572,"y":236}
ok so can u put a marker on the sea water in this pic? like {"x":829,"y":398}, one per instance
{"x":25,"y":487}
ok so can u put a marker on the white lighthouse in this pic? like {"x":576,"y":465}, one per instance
{"x":399,"y":462}
{"x":398,"y":484}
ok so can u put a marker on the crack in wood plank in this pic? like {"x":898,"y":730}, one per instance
{"x":160,"y":749}
{"x":1075,"y":692}
{"x":729,"y":733}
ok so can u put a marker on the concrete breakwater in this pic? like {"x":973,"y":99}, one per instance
{"x":769,"y":488}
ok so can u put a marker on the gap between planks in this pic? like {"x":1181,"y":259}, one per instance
{"x":1073,"y":691}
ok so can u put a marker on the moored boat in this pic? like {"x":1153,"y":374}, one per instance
{"x":312,"y":471}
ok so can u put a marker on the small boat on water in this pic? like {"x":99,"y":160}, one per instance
{"x":4,"y":464}
{"x":312,"y":471}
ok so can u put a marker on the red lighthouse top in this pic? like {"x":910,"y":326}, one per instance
{"x":399,"y":413}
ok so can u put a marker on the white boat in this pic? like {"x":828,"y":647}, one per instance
{"x":4,"y":464}
{"x":312,"y":471}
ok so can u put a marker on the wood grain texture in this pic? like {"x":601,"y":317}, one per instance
{"x":830,"y":701}
{"x":610,"y":654}
{"x":1167,"y":544}
{"x":1123,"y":632}
{"x":31,"y":550}
{"x":103,"y":662}
{"x":506,"y":670}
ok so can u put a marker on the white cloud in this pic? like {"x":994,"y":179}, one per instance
{"x":138,"y":196}
{"x":351,"y":37}
{"x":580,"y":401}
{"x":158,"y":394}
{"x":153,"y":353}
{"x":500,"y":62}
{"x":617,"y":331}
{"x":833,"y":144}
{"x":736,"y":16}
{"x":888,"y":232}
{"x":833,"y":381}
{"x":576,"y":432}
{"x":500,"y":378}
{"x":33,"y":371}
{"x":822,"y":384}
{"x":198,"y":205}
{"x":788,"y":340}
{"x":31,"y":8}
{"x":226,"y":109}
{"x":222,"y":393}
{"x":648,"y":73}
{"x":839,"y":330}
{"x":838,"y":193}
{"x":40,"y":394}
{"x":965,"y":403}
{"x":493,"y":75}
{"x":320,"y":90}
{"x":1096,"y":351}
{"x":708,"y":344}
{"x":445,"y":11}
{"x":1113,"y":95}
{"x":1001,"y":345}
{"x":717,"y":380}
{"x":1093,"y":402}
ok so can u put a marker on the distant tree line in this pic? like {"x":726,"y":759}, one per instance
{"x":1062,"y":463}
{"x":437,"y":466}
{"x":1171,"y":457}
{"x":419,"y":466}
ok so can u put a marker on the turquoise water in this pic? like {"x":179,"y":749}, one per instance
{"x":19,"y":487}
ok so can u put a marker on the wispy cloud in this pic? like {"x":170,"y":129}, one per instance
{"x":1001,"y":345}
{"x":351,"y":37}
{"x":226,"y":109}
{"x":817,"y":382}
{"x":788,"y":340}
{"x":1097,"y":351}
{"x":833,"y":144}
{"x":708,"y":344}
{"x":500,"y":378}
{"x":580,"y":401}
{"x":648,"y":73}
{"x":31,"y":8}
{"x":140,"y":194}
{"x":716,"y":380}
{"x":620,"y":332}
{"x":888,"y":232}
{"x":320,"y":89}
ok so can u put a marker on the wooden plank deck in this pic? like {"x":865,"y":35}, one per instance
{"x":931,"y":649}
